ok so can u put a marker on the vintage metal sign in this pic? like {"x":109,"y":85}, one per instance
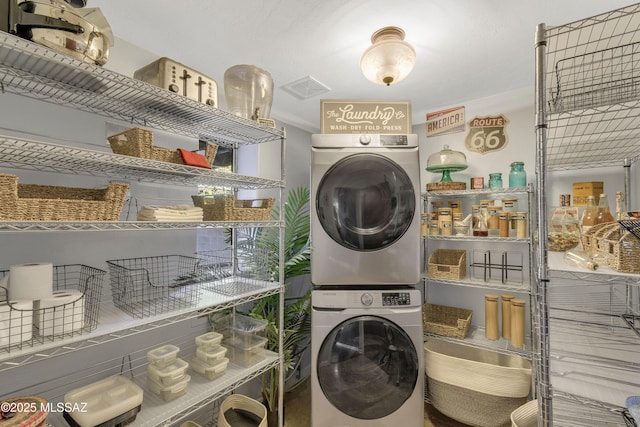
{"x":349,"y":116}
{"x":446,"y":121}
{"x":487,"y":134}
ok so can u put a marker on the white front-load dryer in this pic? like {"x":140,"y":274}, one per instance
{"x":367,"y":358}
{"x":365,"y":222}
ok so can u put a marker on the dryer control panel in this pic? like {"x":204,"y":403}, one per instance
{"x":395,"y":299}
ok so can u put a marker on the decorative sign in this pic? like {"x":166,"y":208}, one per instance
{"x":446,"y":121}
{"x":487,"y":134}
{"x":381,"y":117}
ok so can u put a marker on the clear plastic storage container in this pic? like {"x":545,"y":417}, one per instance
{"x":170,"y":374}
{"x":246,"y":351}
{"x":211,"y":354}
{"x":209,"y":339}
{"x":163,"y":356}
{"x":169,"y":392}
{"x":211,"y":371}
{"x":238,"y":327}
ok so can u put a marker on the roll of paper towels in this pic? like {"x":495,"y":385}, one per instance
{"x":16,"y":322}
{"x":61,"y":314}
{"x":29,"y":281}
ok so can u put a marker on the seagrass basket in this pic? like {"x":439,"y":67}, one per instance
{"x":621,"y":249}
{"x":33,"y":202}
{"x":138,"y":142}
{"x":225,"y":207}
{"x":590,"y":237}
{"x":447,"y":264}
{"x":447,"y":321}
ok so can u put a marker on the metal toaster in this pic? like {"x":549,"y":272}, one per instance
{"x":177,"y":78}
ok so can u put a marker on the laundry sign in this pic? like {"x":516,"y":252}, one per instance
{"x":487,"y":134}
{"x":446,"y":121}
{"x":349,"y":116}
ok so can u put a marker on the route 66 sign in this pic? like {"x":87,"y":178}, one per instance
{"x":487,"y":134}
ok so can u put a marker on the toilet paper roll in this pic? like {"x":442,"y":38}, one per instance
{"x":29,"y":281}
{"x":61,"y":314}
{"x":16,"y":322}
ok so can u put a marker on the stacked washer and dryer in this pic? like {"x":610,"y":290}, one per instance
{"x":367,"y":334}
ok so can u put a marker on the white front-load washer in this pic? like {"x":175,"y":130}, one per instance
{"x":367,"y":358}
{"x":365,"y":226}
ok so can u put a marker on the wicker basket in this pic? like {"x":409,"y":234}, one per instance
{"x":446,"y":186}
{"x":32,"y":202}
{"x":447,"y":264}
{"x":621,"y":250}
{"x":447,"y":321}
{"x":589,"y":237}
{"x":138,"y":142}
{"x":225,"y":207}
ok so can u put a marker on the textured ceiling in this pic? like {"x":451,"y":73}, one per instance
{"x":466,"y":49}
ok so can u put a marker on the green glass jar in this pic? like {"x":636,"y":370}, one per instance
{"x":517,"y":175}
{"x":495,"y":180}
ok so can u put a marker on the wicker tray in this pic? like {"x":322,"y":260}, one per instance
{"x":447,"y":264}
{"x":225,"y":207}
{"x":32,"y":202}
{"x":138,"y":142}
{"x":447,"y":321}
{"x":446,"y":186}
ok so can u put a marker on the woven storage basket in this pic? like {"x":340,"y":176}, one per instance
{"x":227,"y":208}
{"x":622,"y":250}
{"x":446,"y":186}
{"x":447,"y":264}
{"x":447,"y":321}
{"x":32,"y":202}
{"x":235,"y":409}
{"x":138,"y":142}
{"x":594,"y":238}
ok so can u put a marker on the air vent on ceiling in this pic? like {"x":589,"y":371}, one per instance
{"x":305,"y":88}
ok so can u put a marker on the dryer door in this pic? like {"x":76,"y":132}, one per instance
{"x":365,"y":202}
{"x":367,"y":367}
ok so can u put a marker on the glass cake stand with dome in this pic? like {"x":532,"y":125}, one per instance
{"x":446,"y":161}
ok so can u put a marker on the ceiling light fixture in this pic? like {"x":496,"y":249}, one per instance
{"x":389,"y":59}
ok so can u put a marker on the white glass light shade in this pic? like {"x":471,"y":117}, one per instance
{"x":389,"y":59}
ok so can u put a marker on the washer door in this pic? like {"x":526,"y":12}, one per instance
{"x":365,"y":202}
{"x":367,"y":367}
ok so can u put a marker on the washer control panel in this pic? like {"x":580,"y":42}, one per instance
{"x":395,"y":299}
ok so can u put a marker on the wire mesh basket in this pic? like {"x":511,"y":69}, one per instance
{"x":237,"y":271}
{"x":73,"y":309}
{"x":155,"y":285}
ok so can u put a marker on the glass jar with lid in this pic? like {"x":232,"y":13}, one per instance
{"x":495,"y":180}
{"x":517,"y":175}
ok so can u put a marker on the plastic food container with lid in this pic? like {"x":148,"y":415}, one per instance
{"x":170,"y":374}
{"x":169,"y":392}
{"x":163,"y":356}
{"x":211,"y":371}
{"x":239,"y":327}
{"x":209,"y":339}
{"x":211,"y":354}
{"x":246,"y":352}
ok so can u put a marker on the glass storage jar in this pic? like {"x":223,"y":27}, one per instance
{"x":517,"y":175}
{"x":495,"y":180}
{"x":248,"y":91}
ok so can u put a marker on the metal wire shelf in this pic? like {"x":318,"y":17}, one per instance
{"x":33,"y":155}
{"x":34,"y":71}
{"x":593,"y":91}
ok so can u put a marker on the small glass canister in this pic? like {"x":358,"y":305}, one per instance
{"x":434,"y":227}
{"x":445,"y":221}
{"x":424,"y":224}
{"x":511,"y":206}
{"x":503,"y":224}
{"x":517,"y":175}
{"x":520,"y":218}
{"x":495,"y":180}
{"x":456,"y":206}
{"x":493,"y":221}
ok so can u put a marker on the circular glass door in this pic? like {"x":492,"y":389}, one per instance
{"x":367,"y":367}
{"x":365,"y":202}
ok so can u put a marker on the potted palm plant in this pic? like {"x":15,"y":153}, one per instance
{"x":297,"y":325}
